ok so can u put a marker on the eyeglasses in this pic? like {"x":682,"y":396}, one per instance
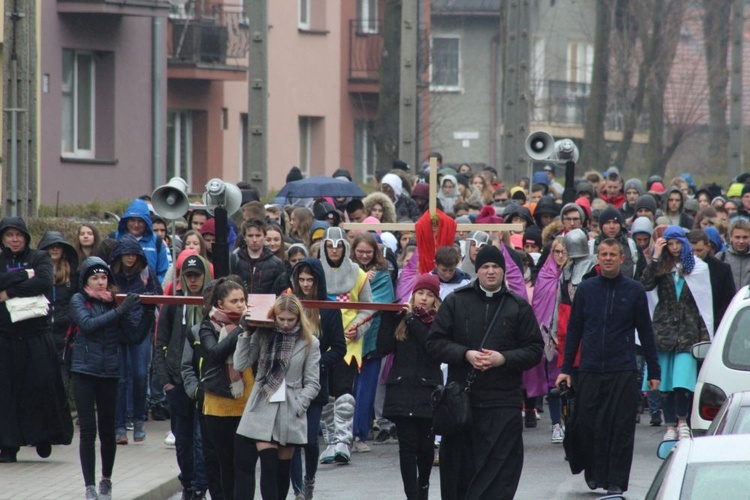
{"x":559,"y":252}
{"x":364,"y":253}
{"x":571,"y":219}
{"x":501,"y":200}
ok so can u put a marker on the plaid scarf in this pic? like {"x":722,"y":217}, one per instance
{"x":274,"y":362}
{"x":426,"y":316}
{"x":221,"y":318}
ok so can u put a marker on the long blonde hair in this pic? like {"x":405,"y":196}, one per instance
{"x":402,"y":331}
{"x":290,"y":303}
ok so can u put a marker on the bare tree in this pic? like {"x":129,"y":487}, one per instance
{"x":594,"y":154}
{"x":386,"y":125}
{"x":716,"y":43}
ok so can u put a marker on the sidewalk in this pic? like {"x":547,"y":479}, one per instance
{"x":143,"y":471}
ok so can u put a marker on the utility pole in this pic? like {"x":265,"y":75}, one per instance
{"x":254,"y":168}
{"x":20,"y":127}
{"x":736,"y":128}
{"x":407,"y":116}
{"x":515,"y":90}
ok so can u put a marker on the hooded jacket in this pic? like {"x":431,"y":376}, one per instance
{"x":389,"y":209}
{"x":15,"y":281}
{"x":155,"y":252}
{"x":96,"y":350}
{"x":546,"y":205}
{"x":739,"y":263}
{"x":258,"y":275}
{"x":173,"y":322}
{"x":406,"y":208}
{"x":59,"y":295}
{"x":448,"y":200}
{"x":683,"y":220}
{"x":331,"y":335}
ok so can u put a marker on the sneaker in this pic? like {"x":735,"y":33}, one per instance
{"x":159,"y":413}
{"x":382,"y":436}
{"x":558,"y":434}
{"x":199,"y":495}
{"x":360,"y":446}
{"x":529,"y":419}
{"x":139,"y":433}
{"x":129,"y":424}
{"x":656,"y":419}
{"x":328,"y":454}
{"x":105,"y":489}
{"x":121,"y":436}
{"x":300,"y":496}
{"x":187,"y":494}
{"x":170,"y":439}
{"x":614,"y":490}
{"x":343,"y":455}
{"x":538,"y":416}
{"x":670,"y":435}
{"x":683,"y":431}
{"x":91,"y":492}
{"x":394,"y":434}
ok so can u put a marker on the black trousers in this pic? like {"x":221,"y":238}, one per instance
{"x":221,"y":431}
{"x":415,"y":452}
{"x":601,"y":433}
{"x":485,"y":462}
{"x":96,"y":401}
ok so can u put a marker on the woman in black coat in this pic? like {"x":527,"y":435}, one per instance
{"x":413,"y":377}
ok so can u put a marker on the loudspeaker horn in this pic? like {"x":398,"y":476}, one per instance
{"x":222,"y":194}
{"x":540,"y":146}
{"x":171,"y":200}
{"x":566,"y":150}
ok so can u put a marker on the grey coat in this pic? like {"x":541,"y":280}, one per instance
{"x":284,"y":422}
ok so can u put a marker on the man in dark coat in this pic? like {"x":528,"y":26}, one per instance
{"x":485,"y":461}
{"x":33,"y":406}
{"x":607,"y":310}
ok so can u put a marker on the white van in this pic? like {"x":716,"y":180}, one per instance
{"x":726,"y":363}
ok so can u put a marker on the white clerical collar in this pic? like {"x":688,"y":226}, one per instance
{"x":490,"y":293}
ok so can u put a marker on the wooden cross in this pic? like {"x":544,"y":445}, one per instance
{"x":409,"y":226}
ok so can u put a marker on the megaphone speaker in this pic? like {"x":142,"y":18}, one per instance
{"x":540,"y":146}
{"x":171,"y":200}
{"x":222,"y":194}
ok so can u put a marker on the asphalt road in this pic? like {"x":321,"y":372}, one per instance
{"x":376,"y":476}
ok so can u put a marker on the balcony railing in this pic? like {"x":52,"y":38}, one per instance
{"x":113,"y":7}
{"x":559,"y":102}
{"x":365,"y":49}
{"x":217,"y":37}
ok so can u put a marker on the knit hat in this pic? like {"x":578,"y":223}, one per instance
{"x":657,"y":187}
{"x":429,"y":282}
{"x":295,"y":174}
{"x":192,"y":265}
{"x":642,"y":225}
{"x":489,"y":253}
{"x":462,"y":179}
{"x":421,"y":190}
{"x":745,"y":189}
{"x":208,"y":227}
{"x":488,"y":216}
{"x":610,"y":214}
{"x":533,"y":235}
{"x":645,"y":201}
{"x":400,"y":165}
{"x":342,"y":174}
{"x":634,"y":184}
{"x":98,"y":269}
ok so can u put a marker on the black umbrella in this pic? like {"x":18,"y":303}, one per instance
{"x":315,"y":187}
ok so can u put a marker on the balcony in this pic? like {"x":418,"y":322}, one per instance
{"x":562,"y":104}
{"x":147,"y":8}
{"x":365,"y":50}
{"x":209,"y":46}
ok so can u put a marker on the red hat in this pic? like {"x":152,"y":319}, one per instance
{"x":657,"y":187}
{"x":488,"y":216}
{"x":427,"y":282}
{"x":208,"y":227}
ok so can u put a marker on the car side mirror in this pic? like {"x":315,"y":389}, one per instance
{"x":700,"y":350}
{"x":665,"y":448}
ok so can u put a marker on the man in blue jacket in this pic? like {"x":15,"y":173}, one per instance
{"x":137,"y":221}
{"x":607,"y":310}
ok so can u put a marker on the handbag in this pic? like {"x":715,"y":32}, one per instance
{"x":451,"y":404}
{"x":23,"y":308}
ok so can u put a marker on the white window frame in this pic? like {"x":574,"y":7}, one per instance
{"x":446,"y":88}
{"x":174,"y":169}
{"x":303,"y":14}
{"x":580,"y":55}
{"x":75,"y":151}
{"x":305,"y":139}
{"x":368,"y":17}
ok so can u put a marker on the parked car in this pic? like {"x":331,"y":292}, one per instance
{"x":710,"y":467}
{"x":733,"y":416}
{"x":726,"y":363}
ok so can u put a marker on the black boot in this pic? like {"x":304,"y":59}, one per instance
{"x":44,"y":449}
{"x":8,"y":455}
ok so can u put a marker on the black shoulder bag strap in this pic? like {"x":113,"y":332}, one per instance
{"x":473,"y":373}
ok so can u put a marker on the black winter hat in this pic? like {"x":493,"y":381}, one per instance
{"x":645,"y":201}
{"x":489,"y":253}
{"x":745,"y":189}
{"x":295,"y":174}
{"x":342,"y":172}
{"x":533,"y":235}
{"x":610,"y":214}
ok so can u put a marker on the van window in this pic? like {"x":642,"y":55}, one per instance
{"x":737,"y":347}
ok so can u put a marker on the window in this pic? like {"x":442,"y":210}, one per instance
{"x":78,"y":90}
{"x":445,"y":70}
{"x":580,"y":62}
{"x":365,"y":154}
{"x":181,"y":9}
{"x":180,"y":144}
{"x":303,"y":18}
{"x":368,"y":16}
{"x":305,"y":134}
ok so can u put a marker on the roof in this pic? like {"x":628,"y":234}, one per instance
{"x":465,"y":7}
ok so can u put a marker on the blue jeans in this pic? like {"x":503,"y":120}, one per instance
{"x":186,"y":429}
{"x":366,"y":385}
{"x":134,"y":364}
{"x":311,"y":449}
{"x":676,"y":405}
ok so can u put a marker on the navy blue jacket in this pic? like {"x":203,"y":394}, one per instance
{"x":96,"y":350}
{"x":606,"y":312}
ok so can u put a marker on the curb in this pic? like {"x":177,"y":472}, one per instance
{"x":162,"y":491}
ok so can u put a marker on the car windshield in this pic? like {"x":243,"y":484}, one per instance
{"x":705,"y":480}
{"x":737,"y":347}
{"x":742,"y":423}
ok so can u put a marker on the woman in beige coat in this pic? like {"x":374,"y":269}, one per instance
{"x":287,"y":379}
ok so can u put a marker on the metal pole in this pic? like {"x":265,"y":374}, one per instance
{"x":220,"y":248}
{"x":736,"y":129}
{"x":407,"y":129}
{"x":254,"y":168}
{"x":157,"y":102}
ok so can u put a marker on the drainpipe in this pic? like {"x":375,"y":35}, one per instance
{"x":494,"y":44}
{"x":157,"y":100}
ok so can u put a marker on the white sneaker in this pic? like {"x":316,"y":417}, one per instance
{"x":683,"y":431}
{"x":558,"y":434}
{"x":360,"y":446}
{"x":327,"y":456}
{"x":670,"y":435}
{"x":170,"y":439}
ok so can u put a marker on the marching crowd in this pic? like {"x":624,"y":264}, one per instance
{"x":512,"y":314}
